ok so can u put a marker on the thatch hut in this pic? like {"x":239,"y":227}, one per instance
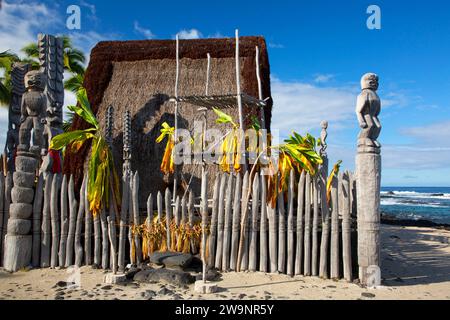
{"x":140,"y":76}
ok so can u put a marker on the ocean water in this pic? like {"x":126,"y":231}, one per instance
{"x":429,"y":203}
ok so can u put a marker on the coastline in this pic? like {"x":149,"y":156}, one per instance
{"x":391,"y":220}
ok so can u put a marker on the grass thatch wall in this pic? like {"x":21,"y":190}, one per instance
{"x":140,"y":76}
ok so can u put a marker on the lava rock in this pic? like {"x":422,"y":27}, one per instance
{"x":171,"y":259}
{"x":175,"y":277}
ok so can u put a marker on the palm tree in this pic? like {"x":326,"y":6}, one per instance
{"x":6,"y":60}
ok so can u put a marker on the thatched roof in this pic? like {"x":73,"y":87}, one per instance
{"x":140,"y":76}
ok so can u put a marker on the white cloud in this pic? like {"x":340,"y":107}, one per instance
{"x":436,"y":134}
{"x":90,"y":6}
{"x":276,"y":45}
{"x":87,"y":40}
{"x":323,"y":78}
{"x":189,"y":34}
{"x":147,"y":33}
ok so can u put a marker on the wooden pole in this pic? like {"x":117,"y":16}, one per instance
{"x":7,"y":203}
{"x":177,"y":76}
{"x":334,"y":230}
{"x":204,"y":213}
{"x":273,"y":234}
{"x":88,"y":225}
{"x":236,"y":222}
{"x":37,"y":211}
{"x":253,"y":254}
{"x":260,"y":93}
{"x":168,"y":203}
{"x":177,"y":218}
{"x":124,"y":221}
{"x":79,"y":226}
{"x":263,"y":227}
{"x":159,"y":206}
{"x":300,"y":213}
{"x":324,"y":242}
{"x":227,"y":225}
{"x":72,"y":223}
{"x":97,"y":240}
{"x":46,"y":227}
{"x":183,"y":210}
{"x":220,"y":221}
{"x":191,"y":219}
{"x":137,"y":222}
{"x":64,"y":222}
{"x":315,"y":230}
{"x":345,"y":211}
{"x":2,"y":203}
{"x":281,"y":234}
{"x":239,"y":98}
{"x":242,"y":258}
{"x":307,"y":241}
{"x":291,"y":236}
{"x":105,"y":239}
{"x":111,"y":220}
{"x":150,"y":220}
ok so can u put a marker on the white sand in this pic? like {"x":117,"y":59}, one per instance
{"x":416,"y":265}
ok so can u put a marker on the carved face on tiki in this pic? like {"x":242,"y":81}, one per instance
{"x":369,"y":81}
{"x":35,"y":80}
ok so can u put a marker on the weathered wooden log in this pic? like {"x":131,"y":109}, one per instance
{"x":149,"y":219}
{"x":64,"y":222}
{"x":213,"y":225}
{"x":300,"y":213}
{"x":88,"y":226}
{"x":236,"y":222}
{"x":105,"y":239}
{"x":227,"y":225}
{"x":46,"y":224}
{"x":263,"y":226}
{"x":307,"y":240}
{"x":273,"y":233}
{"x":72,"y":223}
{"x":124,"y":221}
{"x":325,"y":238}
{"x":220,"y":220}
{"x":79,"y":226}
{"x":159,"y":206}
{"x":204,"y":214}
{"x":290,"y":225}
{"x":168,"y":201}
{"x":315,"y":230}
{"x":253,"y":247}
{"x":2,"y":203}
{"x":191,"y":219}
{"x":183,"y":210}
{"x":112,"y":222}
{"x":37,"y":211}
{"x":242,"y":260}
{"x":177,"y":218}
{"x":137,"y":222}
{"x":131,"y":221}
{"x":6,"y":205}
{"x":97,"y":240}
{"x":334,"y":268}
{"x":281,"y":234}
{"x":345,"y":213}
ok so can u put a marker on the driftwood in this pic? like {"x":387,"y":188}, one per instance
{"x":137,"y":222}
{"x":300,"y":213}
{"x":220,"y":219}
{"x":242,"y":258}
{"x":213,"y":225}
{"x":79,"y":226}
{"x":290,"y":224}
{"x":253,"y":251}
{"x":64,"y":223}
{"x":124,"y":222}
{"x":236,"y":222}
{"x":88,"y":224}
{"x":37,"y":211}
{"x":72,"y":223}
{"x":307,"y":243}
{"x":168,"y":199}
{"x":46,"y":227}
{"x":315,"y":230}
{"x":263,"y":227}
{"x":227,"y":225}
{"x":334,"y":270}
{"x":345,"y":212}
{"x":281,"y":234}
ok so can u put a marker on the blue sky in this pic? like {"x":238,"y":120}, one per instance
{"x":318,"y":51}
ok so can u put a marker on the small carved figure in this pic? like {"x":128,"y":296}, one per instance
{"x":368,"y":108}
{"x":33,"y":108}
{"x":323,"y":137}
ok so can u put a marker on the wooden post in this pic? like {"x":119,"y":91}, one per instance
{"x":2,"y":203}
{"x":88,"y":227}
{"x":72,"y":223}
{"x":79,"y":226}
{"x":183,"y":210}
{"x":227,"y":225}
{"x":260,"y":93}
{"x":177,"y":76}
{"x":220,"y":220}
{"x":124,"y":221}
{"x":37,"y":211}
{"x":7,"y":203}
{"x":168,"y":198}
{"x":149,"y":220}
{"x":204,"y":214}
{"x":273,"y":234}
{"x":177,"y":218}
{"x":344,"y":208}
{"x":281,"y":234}
{"x":263,"y":227}
{"x":315,"y":230}
{"x":300,"y":213}
{"x":236,"y":222}
{"x":213,"y":226}
{"x":291,"y":239}
{"x":137,"y":222}
{"x":105,"y":239}
{"x":97,"y":240}
{"x":64,"y":222}
{"x":159,"y":206}
{"x":242,"y":259}
{"x":46,"y":227}
{"x":191,"y":219}
{"x":253,"y":252}
{"x":111,"y":220}
{"x":324,"y":242}
{"x":334,"y":230}
{"x":239,"y":98}
{"x":307,"y":241}
{"x":131,"y":221}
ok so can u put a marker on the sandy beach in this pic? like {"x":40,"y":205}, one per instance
{"x":415,"y":265}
